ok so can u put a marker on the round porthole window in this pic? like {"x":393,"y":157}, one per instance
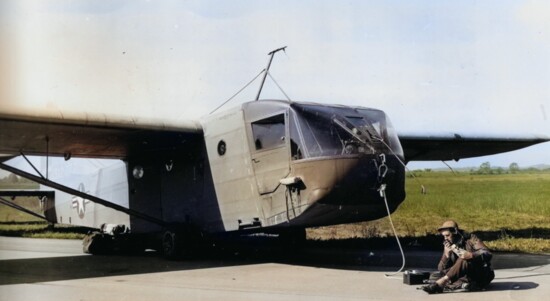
{"x":138,"y":172}
{"x":221,"y":148}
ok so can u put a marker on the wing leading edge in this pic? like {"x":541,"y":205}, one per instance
{"x":91,"y":137}
{"x":436,"y":147}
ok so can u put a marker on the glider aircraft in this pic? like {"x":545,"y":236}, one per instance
{"x":265,"y":166}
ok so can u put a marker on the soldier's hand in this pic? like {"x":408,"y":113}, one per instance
{"x":447,"y":248}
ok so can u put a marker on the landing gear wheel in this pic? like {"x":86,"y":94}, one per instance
{"x":181,"y":241}
{"x":172,"y":245}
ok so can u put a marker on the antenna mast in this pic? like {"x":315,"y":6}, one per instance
{"x":271,"y":54}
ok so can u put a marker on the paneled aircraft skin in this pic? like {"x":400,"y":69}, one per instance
{"x":265,"y":166}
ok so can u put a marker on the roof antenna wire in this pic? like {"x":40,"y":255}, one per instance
{"x":245,"y":86}
{"x":278,"y":86}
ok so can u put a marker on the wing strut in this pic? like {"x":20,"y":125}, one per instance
{"x":81,"y":194}
{"x":20,"y":208}
{"x":33,"y":167}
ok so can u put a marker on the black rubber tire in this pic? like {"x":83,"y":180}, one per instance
{"x":172,"y":244}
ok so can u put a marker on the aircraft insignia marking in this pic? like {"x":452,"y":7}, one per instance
{"x":79,"y":203}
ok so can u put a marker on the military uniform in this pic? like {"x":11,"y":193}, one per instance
{"x":477,"y":271}
{"x":465,"y":263}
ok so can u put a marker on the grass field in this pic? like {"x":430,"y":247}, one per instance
{"x":511,"y":212}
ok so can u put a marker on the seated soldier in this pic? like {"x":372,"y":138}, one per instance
{"x":465,"y":264}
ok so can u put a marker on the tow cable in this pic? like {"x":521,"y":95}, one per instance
{"x":382,"y":171}
{"x":382,"y":191}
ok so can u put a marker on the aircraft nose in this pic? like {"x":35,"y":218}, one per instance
{"x":343,"y":189}
{"x":348,"y":180}
{"x":317,"y":194}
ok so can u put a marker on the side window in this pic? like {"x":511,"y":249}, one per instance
{"x":269,"y":132}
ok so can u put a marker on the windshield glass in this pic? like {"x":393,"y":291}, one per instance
{"x":330,"y":131}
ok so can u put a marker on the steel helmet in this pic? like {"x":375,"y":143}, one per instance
{"x":449,"y":225}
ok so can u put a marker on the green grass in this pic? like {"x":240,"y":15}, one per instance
{"x":525,"y":245}
{"x":56,"y":235}
{"x":477,"y":202}
{"x":41,"y":230}
{"x":511,"y":212}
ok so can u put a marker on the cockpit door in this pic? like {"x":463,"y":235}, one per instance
{"x":270,"y":150}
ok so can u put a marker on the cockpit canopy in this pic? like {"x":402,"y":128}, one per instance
{"x":317,"y":130}
{"x":333,"y":131}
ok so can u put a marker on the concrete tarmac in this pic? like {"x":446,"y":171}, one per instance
{"x":39,"y":269}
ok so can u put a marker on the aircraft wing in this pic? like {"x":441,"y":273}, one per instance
{"x":101,"y":136}
{"x":452,"y":146}
{"x":93,"y":136}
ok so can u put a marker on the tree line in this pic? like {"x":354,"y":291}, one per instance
{"x":486,"y":169}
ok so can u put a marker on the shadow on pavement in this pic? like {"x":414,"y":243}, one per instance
{"x":246,"y":252}
{"x":79,"y":267}
{"x":512,"y":286}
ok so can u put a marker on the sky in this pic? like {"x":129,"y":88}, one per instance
{"x":432,"y":66}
